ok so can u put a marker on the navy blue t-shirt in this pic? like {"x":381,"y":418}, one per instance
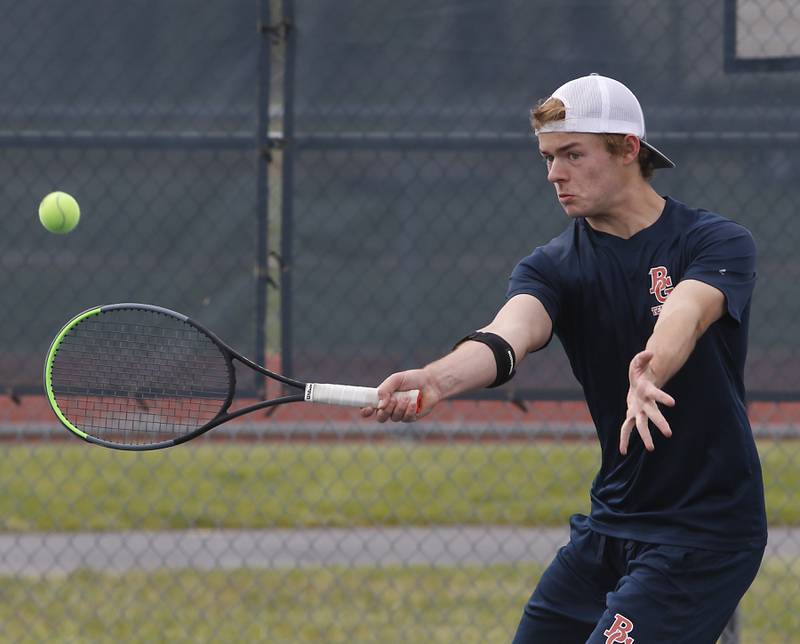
{"x":702,"y":487}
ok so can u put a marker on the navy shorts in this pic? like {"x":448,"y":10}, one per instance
{"x":604,"y":590}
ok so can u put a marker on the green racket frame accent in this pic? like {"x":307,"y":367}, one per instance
{"x":48,"y":368}
{"x":222,"y":416}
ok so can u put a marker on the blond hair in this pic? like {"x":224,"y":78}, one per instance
{"x":549,"y":110}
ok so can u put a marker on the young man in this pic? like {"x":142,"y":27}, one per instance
{"x":650,"y":299}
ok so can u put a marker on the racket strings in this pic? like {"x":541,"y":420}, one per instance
{"x":138,"y":377}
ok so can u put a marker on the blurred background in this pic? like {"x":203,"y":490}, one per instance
{"x":340,"y":189}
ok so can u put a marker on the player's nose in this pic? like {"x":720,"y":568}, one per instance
{"x":557,"y":172}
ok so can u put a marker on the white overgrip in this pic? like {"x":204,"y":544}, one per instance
{"x":352,"y":396}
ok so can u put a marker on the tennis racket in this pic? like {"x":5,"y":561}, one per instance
{"x":141,"y":377}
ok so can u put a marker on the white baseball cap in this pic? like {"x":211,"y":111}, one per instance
{"x":602,"y":105}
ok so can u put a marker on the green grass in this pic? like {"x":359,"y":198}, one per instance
{"x":412,"y":604}
{"x":771,"y":608}
{"x":780,"y":463}
{"x":71,"y":486}
{"x":315,"y":605}
{"x":80,"y":487}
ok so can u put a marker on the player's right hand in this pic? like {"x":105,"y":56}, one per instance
{"x":390,"y":408}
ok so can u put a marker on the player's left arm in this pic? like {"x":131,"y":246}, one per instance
{"x":690,"y":309}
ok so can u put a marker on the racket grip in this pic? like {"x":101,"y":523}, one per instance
{"x":351,"y":396}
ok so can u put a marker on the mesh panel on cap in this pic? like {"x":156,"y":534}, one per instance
{"x":583,"y":99}
{"x":599,"y":104}
{"x":623,"y":104}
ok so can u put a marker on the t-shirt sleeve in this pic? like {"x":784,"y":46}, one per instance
{"x":724,"y":256}
{"x":536,"y":275}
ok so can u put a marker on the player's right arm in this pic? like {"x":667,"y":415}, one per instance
{"x":523,"y":322}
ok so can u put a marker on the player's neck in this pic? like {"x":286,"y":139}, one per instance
{"x":632,"y":212}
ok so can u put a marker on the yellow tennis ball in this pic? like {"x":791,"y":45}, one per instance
{"x":59,"y":212}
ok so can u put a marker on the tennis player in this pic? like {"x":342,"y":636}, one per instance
{"x":650,"y":299}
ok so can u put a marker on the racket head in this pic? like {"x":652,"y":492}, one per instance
{"x":137,"y":377}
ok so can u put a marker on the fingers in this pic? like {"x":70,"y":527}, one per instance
{"x":662,"y":397}
{"x":640,"y":419}
{"x":397,"y":408}
{"x":625,"y":434}
{"x":388,"y":387}
{"x":657,"y":418}
{"x":643,"y":428}
{"x":393,"y":407}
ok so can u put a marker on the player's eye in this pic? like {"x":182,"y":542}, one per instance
{"x":574,"y":156}
{"x":547,"y":159}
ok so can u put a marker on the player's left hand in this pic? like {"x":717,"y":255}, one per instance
{"x":643,"y":399}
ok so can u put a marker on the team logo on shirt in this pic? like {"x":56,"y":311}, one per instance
{"x":619,"y":631}
{"x":660,"y":286}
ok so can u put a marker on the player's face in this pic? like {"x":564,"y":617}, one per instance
{"x":588,"y":179}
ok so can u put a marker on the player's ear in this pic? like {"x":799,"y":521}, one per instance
{"x":630,"y":149}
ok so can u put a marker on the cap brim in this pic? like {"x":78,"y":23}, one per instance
{"x":660,"y":160}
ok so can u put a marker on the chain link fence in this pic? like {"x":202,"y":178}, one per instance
{"x":340,"y":190}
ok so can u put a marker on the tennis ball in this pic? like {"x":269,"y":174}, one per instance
{"x":59,"y":212}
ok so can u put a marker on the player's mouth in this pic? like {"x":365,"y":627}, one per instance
{"x":565,"y":198}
